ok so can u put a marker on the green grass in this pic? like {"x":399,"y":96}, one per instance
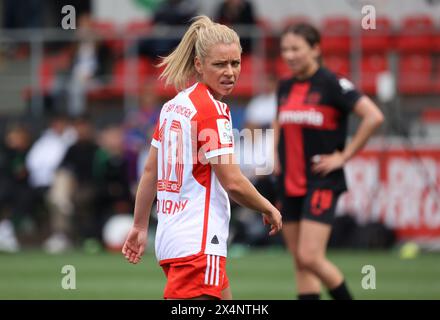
{"x":256,"y":274}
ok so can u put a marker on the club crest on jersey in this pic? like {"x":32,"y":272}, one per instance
{"x":313,"y":98}
{"x":225,"y":131}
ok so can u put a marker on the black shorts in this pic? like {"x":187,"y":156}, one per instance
{"x":317,"y":205}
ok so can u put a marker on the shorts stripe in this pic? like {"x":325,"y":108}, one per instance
{"x":212,"y":271}
{"x":207,"y":269}
{"x":217,"y":270}
{"x":211,"y":278}
{"x":202,"y":275}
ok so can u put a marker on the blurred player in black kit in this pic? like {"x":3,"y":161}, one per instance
{"x":310,"y":152}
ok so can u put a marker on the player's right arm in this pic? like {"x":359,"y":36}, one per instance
{"x":136,"y":241}
{"x":241,"y":190}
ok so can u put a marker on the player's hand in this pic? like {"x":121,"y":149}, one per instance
{"x":135,"y":245}
{"x":323,"y":164}
{"x":274,"y":219}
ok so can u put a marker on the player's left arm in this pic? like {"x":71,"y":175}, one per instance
{"x":372,"y":118}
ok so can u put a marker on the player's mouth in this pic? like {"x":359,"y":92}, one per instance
{"x":228,"y":84}
{"x":293,"y":64}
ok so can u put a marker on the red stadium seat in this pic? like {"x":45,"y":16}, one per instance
{"x":269,"y":41}
{"x":247,"y":84}
{"x":128,"y":75}
{"x":436,"y":84}
{"x":416,"y":35}
{"x":377,"y":40}
{"x":340,"y":64}
{"x":371,"y":67}
{"x":104,"y":28}
{"x":47,"y":71}
{"x":109,"y":33}
{"x":436,"y":41}
{"x":335,"y":35}
{"x":138,"y":28}
{"x":134,"y":29}
{"x":161,"y":89}
{"x":436,"y":76}
{"x":430,"y":115}
{"x":415,"y":74}
{"x":132,"y":73}
{"x":46,"y":74}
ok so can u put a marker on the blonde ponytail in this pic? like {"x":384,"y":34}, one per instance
{"x":201,"y":35}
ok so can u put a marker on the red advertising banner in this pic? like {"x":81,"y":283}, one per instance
{"x":397,"y":187}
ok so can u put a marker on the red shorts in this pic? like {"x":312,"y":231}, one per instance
{"x":202,"y":275}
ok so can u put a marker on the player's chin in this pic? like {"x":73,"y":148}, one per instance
{"x":228,"y":92}
{"x":296,"y":67}
{"x":226,"y":89}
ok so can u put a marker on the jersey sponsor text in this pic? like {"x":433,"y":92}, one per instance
{"x":308,"y":117}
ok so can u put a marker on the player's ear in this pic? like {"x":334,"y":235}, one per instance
{"x":198,"y":65}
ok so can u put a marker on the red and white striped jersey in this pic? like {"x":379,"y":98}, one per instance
{"x":192,"y":207}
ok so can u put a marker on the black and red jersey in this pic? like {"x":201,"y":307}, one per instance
{"x":313,"y":118}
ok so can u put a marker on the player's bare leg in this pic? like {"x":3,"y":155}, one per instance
{"x":227,"y":294}
{"x":313,"y":238}
{"x":306,"y":281}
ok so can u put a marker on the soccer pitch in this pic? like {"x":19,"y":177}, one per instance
{"x":264,"y":274}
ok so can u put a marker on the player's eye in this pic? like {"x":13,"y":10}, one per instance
{"x":236,"y":63}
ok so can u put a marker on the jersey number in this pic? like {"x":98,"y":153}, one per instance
{"x":175,"y":147}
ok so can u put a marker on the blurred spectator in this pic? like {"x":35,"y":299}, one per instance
{"x":260,"y":113}
{"x":91,"y":62}
{"x":45,"y":156}
{"x":261,"y":110}
{"x":111,"y":174}
{"x":15,"y":202}
{"x":73,"y":192}
{"x":168,"y":13}
{"x":235,"y":13}
{"x":139,"y":124}
{"x":255,"y":153}
{"x":48,"y":151}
